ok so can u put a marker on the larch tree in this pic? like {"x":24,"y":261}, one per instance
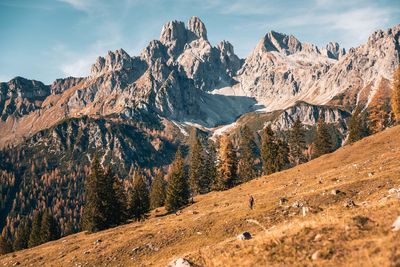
{"x":158,"y":189}
{"x":139,"y":203}
{"x":297,"y":142}
{"x":246,"y":170}
{"x":178,"y":191}
{"x":379,"y":110}
{"x":395,"y":99}
{"x":269,"y":151}
{"x":227,"y":165}
{"x":323,"y":140}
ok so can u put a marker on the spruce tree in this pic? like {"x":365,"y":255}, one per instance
{"x":178,"y":191}
{"x":395,"y":99}
{"x":210,"y":167}
{"x":358,"y":128}
{"x":34,"y":237}
{"x":5,"y":246}
{"x":22,"y":235}
{"x":158,"y":190}
{"x":297,"y":142}
{"x":119,"y":203}
{"x":269,"y":151}
{"x":196,"y":167}
{"x":323,"y":140}
{"x":49,"y":229}
{"x":69,"y":229}
{"x":139,"y":203}
{"x":246,"y":169}
{"x":227,"y":165}
{"x":94,"y":218}
{"x":282,"y":158}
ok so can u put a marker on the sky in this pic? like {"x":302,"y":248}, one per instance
{"x":48,"y":39}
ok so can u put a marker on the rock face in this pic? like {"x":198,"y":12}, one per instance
{"x":20,"y":96}
{"x":183,"y":78}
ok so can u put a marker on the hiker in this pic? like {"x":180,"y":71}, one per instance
{"x":251,"y":202}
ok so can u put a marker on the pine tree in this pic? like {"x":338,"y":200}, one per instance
{"x":395,"y":99}
{"x":119,"y":203}
{"x":139,"y":203}
{"x":196,"y":167}
{"x":49,"y":229}
{"x":210,"y":168}
{"x":178,"y":191}
{"x":246,"y":160}
{"x":269,"y":151}
{"x":227,"y":165}
{"x":323,"y":140}
{"x":34,"y":237}
{"x":357,"y":126}
{"x":5,"y":246}
{"x":22,"y":235}
{"x":282,"y":158}
{"x":93,"y":218}
{"x":158,"y":189}
{"x":297,"y":142}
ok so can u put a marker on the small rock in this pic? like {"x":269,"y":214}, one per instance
{"x":16,"y":263}
{"x":86,"y":252}
{"x":315,"y":255}
{"x":317,"y":237}
{"x":98,"y":241}
{"x":396,"y":225}
{"x":244,"y":236}
{"x":350,"y":204}
{"x":180,"y":262}
{"x":282,"y":200}
{"x":370,"y":174}
{"x":336,"y":192}
{"x":305,"y":210}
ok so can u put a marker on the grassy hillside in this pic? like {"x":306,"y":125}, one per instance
{"x":205,"y":233}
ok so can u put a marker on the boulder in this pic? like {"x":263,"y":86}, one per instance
{"x":244,"y":236}
{"x":396,"y":225}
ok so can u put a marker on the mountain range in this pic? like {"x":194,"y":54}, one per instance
{"x":136,"y":110}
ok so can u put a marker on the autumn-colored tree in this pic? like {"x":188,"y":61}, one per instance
{"x":227,"y":165}
{"x":396,"y":95}
{"x":379,"y":109}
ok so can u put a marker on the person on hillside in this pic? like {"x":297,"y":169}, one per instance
{"x":251,"y":202}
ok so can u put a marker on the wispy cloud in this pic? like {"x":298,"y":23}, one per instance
{"x":83,"y":5}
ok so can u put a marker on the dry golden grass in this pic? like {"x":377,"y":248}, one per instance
{"x":205,"y":232}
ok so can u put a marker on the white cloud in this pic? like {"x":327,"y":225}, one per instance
{"x":83,"y":5}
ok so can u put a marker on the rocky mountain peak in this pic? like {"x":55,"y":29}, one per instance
{"x":279,"y":42}
{"x":197,"y":27}
{"x":113,"y":61}
{"x":333,"y":50}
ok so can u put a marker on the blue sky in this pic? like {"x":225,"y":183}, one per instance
{"x":49,"y":39}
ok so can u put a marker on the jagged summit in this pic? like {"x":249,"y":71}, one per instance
{"x":279,"y":42}
{"x":197,"y":27}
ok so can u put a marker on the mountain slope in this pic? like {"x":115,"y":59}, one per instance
{"x":204,"y":232}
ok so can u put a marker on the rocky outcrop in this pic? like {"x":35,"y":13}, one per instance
{"x":60,"y":85}
{"x":333,"y":50}
{"x":20,"y":96}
